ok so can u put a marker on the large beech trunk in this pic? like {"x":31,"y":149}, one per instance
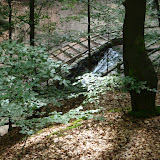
{"x":136,"y":61}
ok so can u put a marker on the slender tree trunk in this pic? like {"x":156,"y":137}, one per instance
{"x":10,"y":19}
{"x":10,"y":125}
{"x":89,"y":39}
{"x":10,"y":39}
{"x":136,"y":61}
{"x":32,"y":22}
{"x":3,"y":23}
{"x":158,"y":11}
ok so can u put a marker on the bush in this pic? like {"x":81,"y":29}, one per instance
{"x":96,"y":85}
{"x":29,"y":79}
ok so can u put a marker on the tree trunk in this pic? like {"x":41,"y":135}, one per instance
{"x":3,"y":23}
{"x":158,"y":11}
{"x":10,"y":19}
{"x":10,"y":128}
{"x":89,"y":38}
{"x":136,"y":61}
{"x":31,"y":23}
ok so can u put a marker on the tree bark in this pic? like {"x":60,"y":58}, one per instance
{"x":136,"y":61}
{"x":32,"y":23}
{"x":10,"y":19}
{"x":3,"y":23}
{"x":89,"y":38}
{"x":158,"y":11}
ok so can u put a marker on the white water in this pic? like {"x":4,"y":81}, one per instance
{"x":110,"y":58}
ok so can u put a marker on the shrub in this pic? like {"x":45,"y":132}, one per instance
{"x":29,"y":79}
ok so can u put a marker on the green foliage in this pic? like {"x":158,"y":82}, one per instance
{"x":95,"y":86}
{"x":29,"y":79}
{"x":77,"y":113}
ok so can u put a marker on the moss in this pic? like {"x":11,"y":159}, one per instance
{"x":157,"y":112}
{"x":120,"y":109}
{"x":140,"y":44}
{"x":76,"y":121}
{"x":128,"y":109}
{"x":40,"y":131}
{"x":73,"y":125}
{"x":54,"y":133}
{"x":114,"y":110}
{"x":144,"y":114}
{"x":140,"y":114}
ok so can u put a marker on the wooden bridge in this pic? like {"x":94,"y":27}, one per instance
{"x":71,"y":52}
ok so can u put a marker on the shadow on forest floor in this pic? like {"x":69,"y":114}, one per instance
{"x":117,"y":137}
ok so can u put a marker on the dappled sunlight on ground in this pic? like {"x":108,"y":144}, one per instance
{"x":117,"y":137}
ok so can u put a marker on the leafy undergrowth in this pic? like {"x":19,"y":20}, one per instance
{"x":111,"y":135}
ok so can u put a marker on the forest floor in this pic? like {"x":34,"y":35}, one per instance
{"x":114,"y":136}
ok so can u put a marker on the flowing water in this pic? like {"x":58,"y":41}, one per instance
{"x":110,"y":58}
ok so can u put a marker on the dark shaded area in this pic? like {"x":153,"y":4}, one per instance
{"x":65,"y":105}
{"x":10,"y":139}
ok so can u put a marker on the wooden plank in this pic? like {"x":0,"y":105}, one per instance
{"x":57,"y":52}
{"x":55,"y":57}
{"x":76,"y":57}
{"x":64,"y":57}
{"x":96,"y":43}
{"x":73,"y":49}
{"x":80,"y":48}
{"x":66,"y":53}
{"x":103,"y":38}
{"x":83,"y":45}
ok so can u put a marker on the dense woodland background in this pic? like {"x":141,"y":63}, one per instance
{"x":52,"y":114}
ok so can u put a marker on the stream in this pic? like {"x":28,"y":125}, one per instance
{"x":109,"y":59}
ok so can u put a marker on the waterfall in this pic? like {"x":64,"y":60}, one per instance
{"x":110,"y":58}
